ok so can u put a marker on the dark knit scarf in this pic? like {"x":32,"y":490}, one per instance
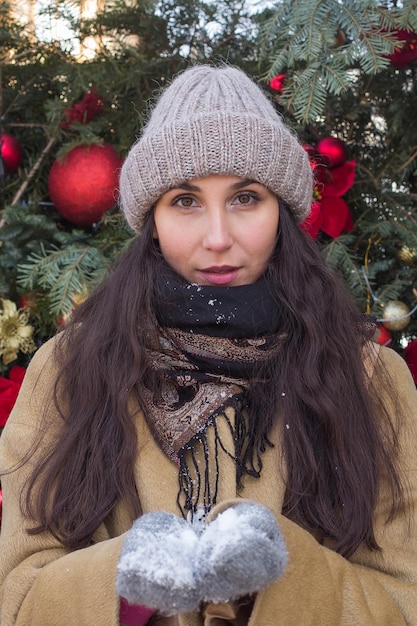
{"x":213,"y":342}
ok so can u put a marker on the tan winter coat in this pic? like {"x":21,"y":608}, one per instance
{"x":43,"y":585}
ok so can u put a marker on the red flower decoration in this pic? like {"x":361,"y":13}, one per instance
{"x":329,"y":211}
{"x":277,"y":82}
{"x":83,"y":111}
{"x":410,"y":356}
{"x":406,"y":52}
{"x":9,"y":389}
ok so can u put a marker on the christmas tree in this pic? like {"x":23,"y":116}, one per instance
{"x":342,"y":73}
{"x":346,"y":72}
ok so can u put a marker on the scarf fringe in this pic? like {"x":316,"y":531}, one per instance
{"x":199,"y":485}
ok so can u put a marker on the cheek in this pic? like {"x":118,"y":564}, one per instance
{"x":174,"y":244}
{"x":170,"y":231}
{"x":261,"y":251}
{"x":165,"y":230}
{"x":262,"y":239}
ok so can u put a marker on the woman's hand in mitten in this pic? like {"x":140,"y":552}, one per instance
{"x":167,"y":565}
{"x":241,"y":551}
{"x":156,"y":566}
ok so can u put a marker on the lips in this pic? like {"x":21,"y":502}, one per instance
{"x":220,"y":275}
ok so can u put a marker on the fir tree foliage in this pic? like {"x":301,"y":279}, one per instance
{"x":326,"y":44}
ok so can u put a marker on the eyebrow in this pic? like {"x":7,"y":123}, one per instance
{"x":242,"y":183}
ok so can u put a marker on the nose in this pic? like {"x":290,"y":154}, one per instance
{"x":218,"y":231}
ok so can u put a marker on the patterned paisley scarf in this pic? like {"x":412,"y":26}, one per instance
{"x":213,"y":342}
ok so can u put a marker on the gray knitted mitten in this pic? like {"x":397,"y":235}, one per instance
{"x":156,"y":566}
{"x":240,"y":552}
{"x":167,"y":565}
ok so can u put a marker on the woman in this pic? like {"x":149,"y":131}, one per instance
{"x":219,"y":392}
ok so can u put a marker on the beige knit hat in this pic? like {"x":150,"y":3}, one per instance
{"x":213,"y":121}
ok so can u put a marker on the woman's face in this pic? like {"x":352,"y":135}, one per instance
{"x":217,"y":230}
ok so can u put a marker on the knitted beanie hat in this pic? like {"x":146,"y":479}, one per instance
{"x":214,"y":121}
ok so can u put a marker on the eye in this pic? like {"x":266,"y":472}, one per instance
{"x":246,"y":197}
{"x":184,"y":201}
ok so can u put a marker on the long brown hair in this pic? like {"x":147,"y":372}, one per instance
{"x":339,"y":444}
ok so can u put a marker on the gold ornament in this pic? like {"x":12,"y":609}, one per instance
{"x":76,"y":300}
{"x":407,"y":255}
{"x":396,"y":315}
{"x":79,"y":298}
{"x":15,"y":332}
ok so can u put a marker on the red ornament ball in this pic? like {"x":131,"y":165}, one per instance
{"x":83,"y":185}
{"x":382,"y":335}
{"x":11,"y":152}
{"x":333,"y":149}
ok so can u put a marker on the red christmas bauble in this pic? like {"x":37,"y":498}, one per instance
{"x":11,"y":152}
{"x":333,"y":149}
{"x":382,"y":335}
{"x":83,"y":185}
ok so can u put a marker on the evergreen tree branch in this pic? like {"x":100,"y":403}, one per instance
{"x":33,"y":171}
